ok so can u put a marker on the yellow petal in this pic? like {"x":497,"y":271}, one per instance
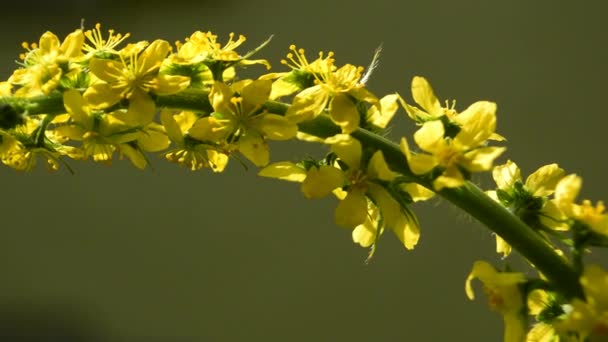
{"x":171,"y":126}
{"x":417,"y":191}
{"x":256,"y":94}
{"x":348,"y":150}
{"x":320,"y":182}
{"x":282,"y":88}
{"x":207,"y":129}
{"x":153,"y":139}
{"x":48,"y":43}
{"x":141,"y":109}
{"x":217,"y":160}
{"x":275,"y":127}
{"x":135,"y":156}
{"x":378,"y":168}
{"x":422,"y":163}
{"x":506,"y":175}
{"x":418,"y":163}
{"x":425,"y":97}
{"x":254,"y":148}
{"x":481,"y":159}
{"x":101,"y":95}
{"x":352,"y":210}
{"x":400,"y":220}
{"x":430,"y":136}
{"x":151,"y":58}
{"x":344,"y":113}
{"x":284,"y":170}
{"x":451,"y":178}
{"x":75,"y":104}
{"x":170,"y":84}
{"x":567,"y":189}
{"x":543,"y":181}
{"x":477,"y":124}
{"x":381,"y":115}
{"x":502,"y":247}
{"x":107,"y":70}
{"x":515,"y":330}
{"x":552,"y":217}
{"x":219,"y":97}
{"x":72,"y":44}
{"x":365,"y":234}
{"x":307,"y":104}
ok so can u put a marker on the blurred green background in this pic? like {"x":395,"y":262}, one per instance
{"x":172,"y":255}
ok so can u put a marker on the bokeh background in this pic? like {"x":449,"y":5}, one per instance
{"x":172,"y":255}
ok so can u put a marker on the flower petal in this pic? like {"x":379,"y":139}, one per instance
{"x":254,"y":148}
{"x":321,"y":181}
{"x":307,"y":104}
{"x":423,"y":94}
{"x":430,"y":136}
{"x":378,"y":168}
{"x":344,"y":113}
{"x":275,"y":127}
{"x":543,"y":181}
{"x":352,"y":210}
{"x":506,"y":175}
{"x":348,"y":150}
{"x":284,"y":170}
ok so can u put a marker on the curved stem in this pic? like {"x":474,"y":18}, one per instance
{"x":469,"y":197}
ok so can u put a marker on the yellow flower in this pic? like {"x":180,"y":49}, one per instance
{"x":334,"y":89}
{"x":466,"y":150}
{"x":566,"y":192}
{"x":99,"y":132}
{"x":504,"y":296}
{"x":423,"y":95}
{"x":539,"y":302}
{"x":196,"y":140}
{"x":382,"y":114}
{"x":589,"y":318}
{"x":528,"y":200}
{"x":19,"y":150}
{"x":133,"y":78}
{"x":204,"y":47}
{"x":246,"y":124}
{"x":432,"y":110}
{"x":98,"y":46}
{"x":365,"y":205}
{"x":45,"y":63}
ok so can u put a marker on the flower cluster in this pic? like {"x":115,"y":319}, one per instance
{"x":94,"y":96}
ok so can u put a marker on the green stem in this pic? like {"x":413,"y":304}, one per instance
{"x":469,"y":197}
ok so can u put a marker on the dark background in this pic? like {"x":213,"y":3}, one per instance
{"x":183,"y":256}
